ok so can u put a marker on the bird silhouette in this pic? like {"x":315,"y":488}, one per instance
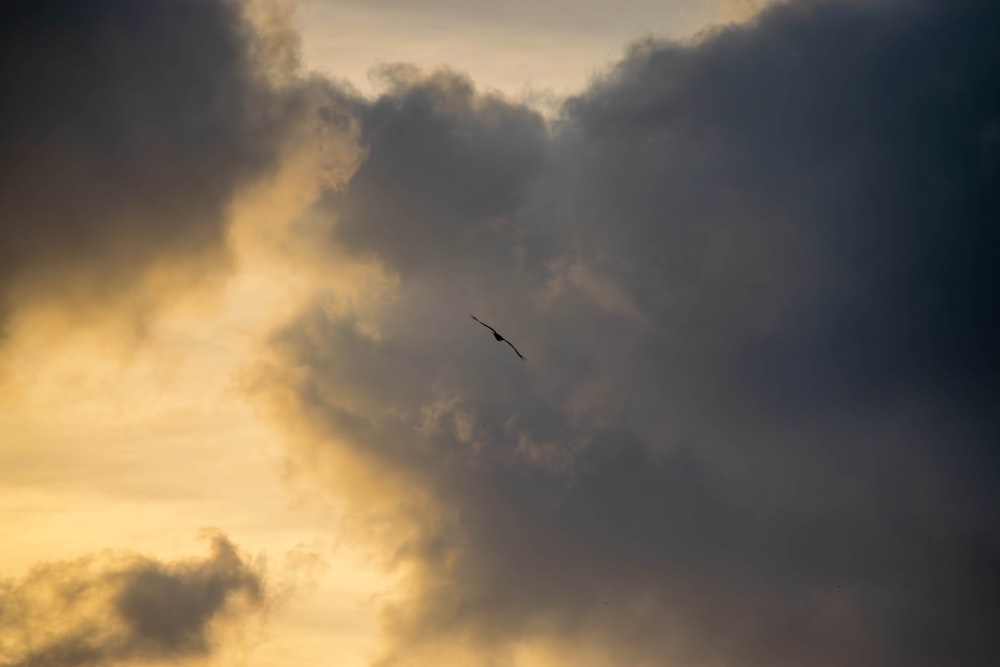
{"x":497,"y":335}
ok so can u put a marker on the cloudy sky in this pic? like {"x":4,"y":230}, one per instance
{"x":749,"y":250}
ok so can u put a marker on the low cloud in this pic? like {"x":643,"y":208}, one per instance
{"x":454,"y":163}
{"x":128,"y":130}
{"x":115,"y":609}
{"x":754,"y":278}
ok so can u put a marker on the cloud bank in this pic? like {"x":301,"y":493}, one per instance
{"x":755,"y":278}
{"x":117,"y":609}
{"x":128,"y":129}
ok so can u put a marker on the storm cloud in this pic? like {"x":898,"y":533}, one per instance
{"x":756,"y":280}
{"x":455,"y":165}
{"x":114,"y":609}
{"x":127,"y":129}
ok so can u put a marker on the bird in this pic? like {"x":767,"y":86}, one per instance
{"x":498,"y":336}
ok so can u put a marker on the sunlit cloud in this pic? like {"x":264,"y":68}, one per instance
{"x":118,"y":608}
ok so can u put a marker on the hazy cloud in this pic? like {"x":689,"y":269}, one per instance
{"x":127,"y":130}
{"x":740,"y":10}
{"x":755,"y":279}
{"x":113,"y":609}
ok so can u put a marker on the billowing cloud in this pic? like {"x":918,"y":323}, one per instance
{"x":755,"y":279}
{"x":454,"y":164}
{"x":115,"y":609}
{"x":128,"y":128}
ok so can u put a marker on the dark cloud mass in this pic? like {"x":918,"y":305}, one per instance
{"x":454,"y":165}
{"x":126,"y":128}
{"x":756,"y":278}
{"x":116,"y":609}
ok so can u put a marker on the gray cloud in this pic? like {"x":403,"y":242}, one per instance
{"x":116,"y":609}
{"x":454,"y":164}
{"x":755,"y":280}
{"x":127,"y":129}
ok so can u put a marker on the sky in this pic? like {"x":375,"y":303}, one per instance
{"x":748,"y":250}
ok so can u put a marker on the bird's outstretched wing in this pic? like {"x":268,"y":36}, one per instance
{"x":484,"y":324}
{"x":497,"y":335}
{"x":514,"y":348}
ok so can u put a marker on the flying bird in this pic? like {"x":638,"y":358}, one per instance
{"x":497,"y":335}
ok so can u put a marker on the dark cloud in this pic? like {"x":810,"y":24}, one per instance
{"x":126,"y":130}
{"x":756,"y":281}
{"x":862,"y":169}
{"x":116,"y":609}
{"x":445,"y":174}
